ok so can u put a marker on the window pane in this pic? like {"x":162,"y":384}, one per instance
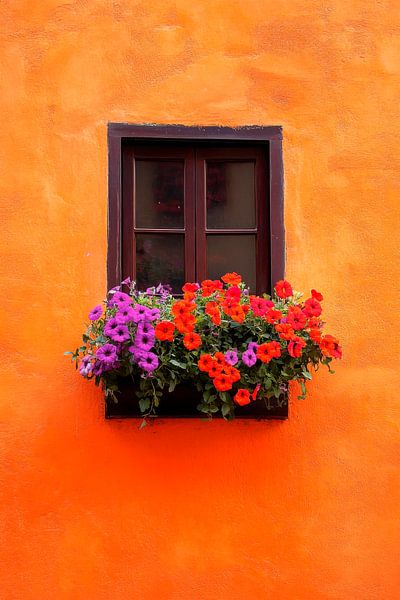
{"x":159,"y":194}
{"x":160,"y":259}
{"x":227,"y":253}
{"x":230,"y":195}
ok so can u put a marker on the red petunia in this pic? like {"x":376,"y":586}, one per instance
{"x":186,"y":323}
{"x":283,"y":289}
{"x":296,"y":318}
{"x":295,"y":346}
{"x":272,"y":315}
{"x":205,"y":362}
{"x":215,"y":370}
{"x":315,"y":334}
{"x":232,"y":372}
{"x":259,"y":306}
{"x":242,"y":397}
{"x":312,"y":308}
{"x":233,"y":293}
{"x":330,"y":346}
{"x":266,"y":352}
{"x":209,"y":286}
{"x":317,"y":295}
{"x":190,"y":287}
{"x":222,"y":383}
{"x":192,"y":341}
{"x":219,"y":358}
{"x":165,"y":331}
{"x":285,"y":331}
{"x":231,"y":278}
{"x":237,"y":314}
{"x":182,"y":308}
{"x":255,"y":391}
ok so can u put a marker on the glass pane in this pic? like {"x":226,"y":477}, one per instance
{"x":226,"y":253}
{"x":160,"y":259}
{"x":159,"y":193}
{"x":230,"y":195}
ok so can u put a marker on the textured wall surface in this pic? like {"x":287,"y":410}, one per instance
{"x":302,"y":510}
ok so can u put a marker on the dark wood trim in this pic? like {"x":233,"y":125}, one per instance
{"x":277,"y":226}
{"x":247,"y":133}
{"x":114,"y":225}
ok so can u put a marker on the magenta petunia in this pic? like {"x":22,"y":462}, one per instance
{"x":249,"y":358}
{"x":120,"y":334}
{"x":145,"y":341}
{"x":252,"y":346}
{"x":107,"y":354}
{"x":148,"y":362}
{"x":125,"y":314}
{"x":231,"y":357}
{"x":140,"y":313}
{"x":153,"y":314}
{"x":120,"y":298}
{"x":96,"y":313}
{"x":111,"y":326}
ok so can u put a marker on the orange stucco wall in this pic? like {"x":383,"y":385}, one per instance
{"x":300,"y":510}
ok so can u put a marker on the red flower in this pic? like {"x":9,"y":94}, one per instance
{"x":237,"y":314}
{"x":219,"y":359}
{"x":213,"y":311}
{"x":182,"y":308}
{"x":312,"y":308}
{"x":192,"y":341}
{"x":266,"y":352}
{"x":273,"y":315}
{"x":314,"y":322}
{"x":242,"y":397}
{"x":285,"y":331}
{"x":330,"y":346}
{"x":186,"y":323}
{"x":165,"y":331}
{"x":205,"y":362}
{"x":283,"y":289}
{"x":296,"y":318}
{"x":190,"y":287}
{"x":255,"y":391}
{"x":232,"y":372}
{"x":215,"y":370}
{"x":317,"y":295}
{"x":231,"y":278}
{"x":208,"y":287}
{"x":222,"y":383}
{"x":233,"y":293}
{"x":259,"y":306}
{"x":315,"y":334}
{"x":295,"y":346}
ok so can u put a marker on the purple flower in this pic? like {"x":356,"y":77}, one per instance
{"x":125,"y":314}
{"x":111,"y":326}
{"x":249,"y":358}
{"x":120,"y":334}
{"x":145,"y":341}
{"x":136,"y":352}
{"x":126,"y":281}
{"x":98,"y":368}
{"x":252,"y":347}
{"x":148,"y":362}
{"x":86,"y":366}
{"x":231,"y":357}
{"x":120,"y":298}
{"x":145,"y":327}
{"x":153,"y":314}
{"x":107,"y":354}
{"x":96,"y":313}
{"x":140,"y":313}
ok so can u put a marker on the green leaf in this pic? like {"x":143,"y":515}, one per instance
{"x":176,"y":363}
{"x":144,"y":404}
{"x":306,"y":375}
{"x":143,"y":424}
{"x":172,"y":385}
{"x":226,"y":409}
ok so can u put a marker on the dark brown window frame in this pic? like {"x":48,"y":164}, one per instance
{"x":183,"y":403}
{"x":269,"y":136}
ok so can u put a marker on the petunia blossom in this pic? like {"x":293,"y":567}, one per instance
{"x":96,"y":313}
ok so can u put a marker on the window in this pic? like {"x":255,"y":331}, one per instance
{"x":188,"y":203}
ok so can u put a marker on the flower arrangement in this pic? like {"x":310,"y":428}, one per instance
{"x":234,"y":346}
